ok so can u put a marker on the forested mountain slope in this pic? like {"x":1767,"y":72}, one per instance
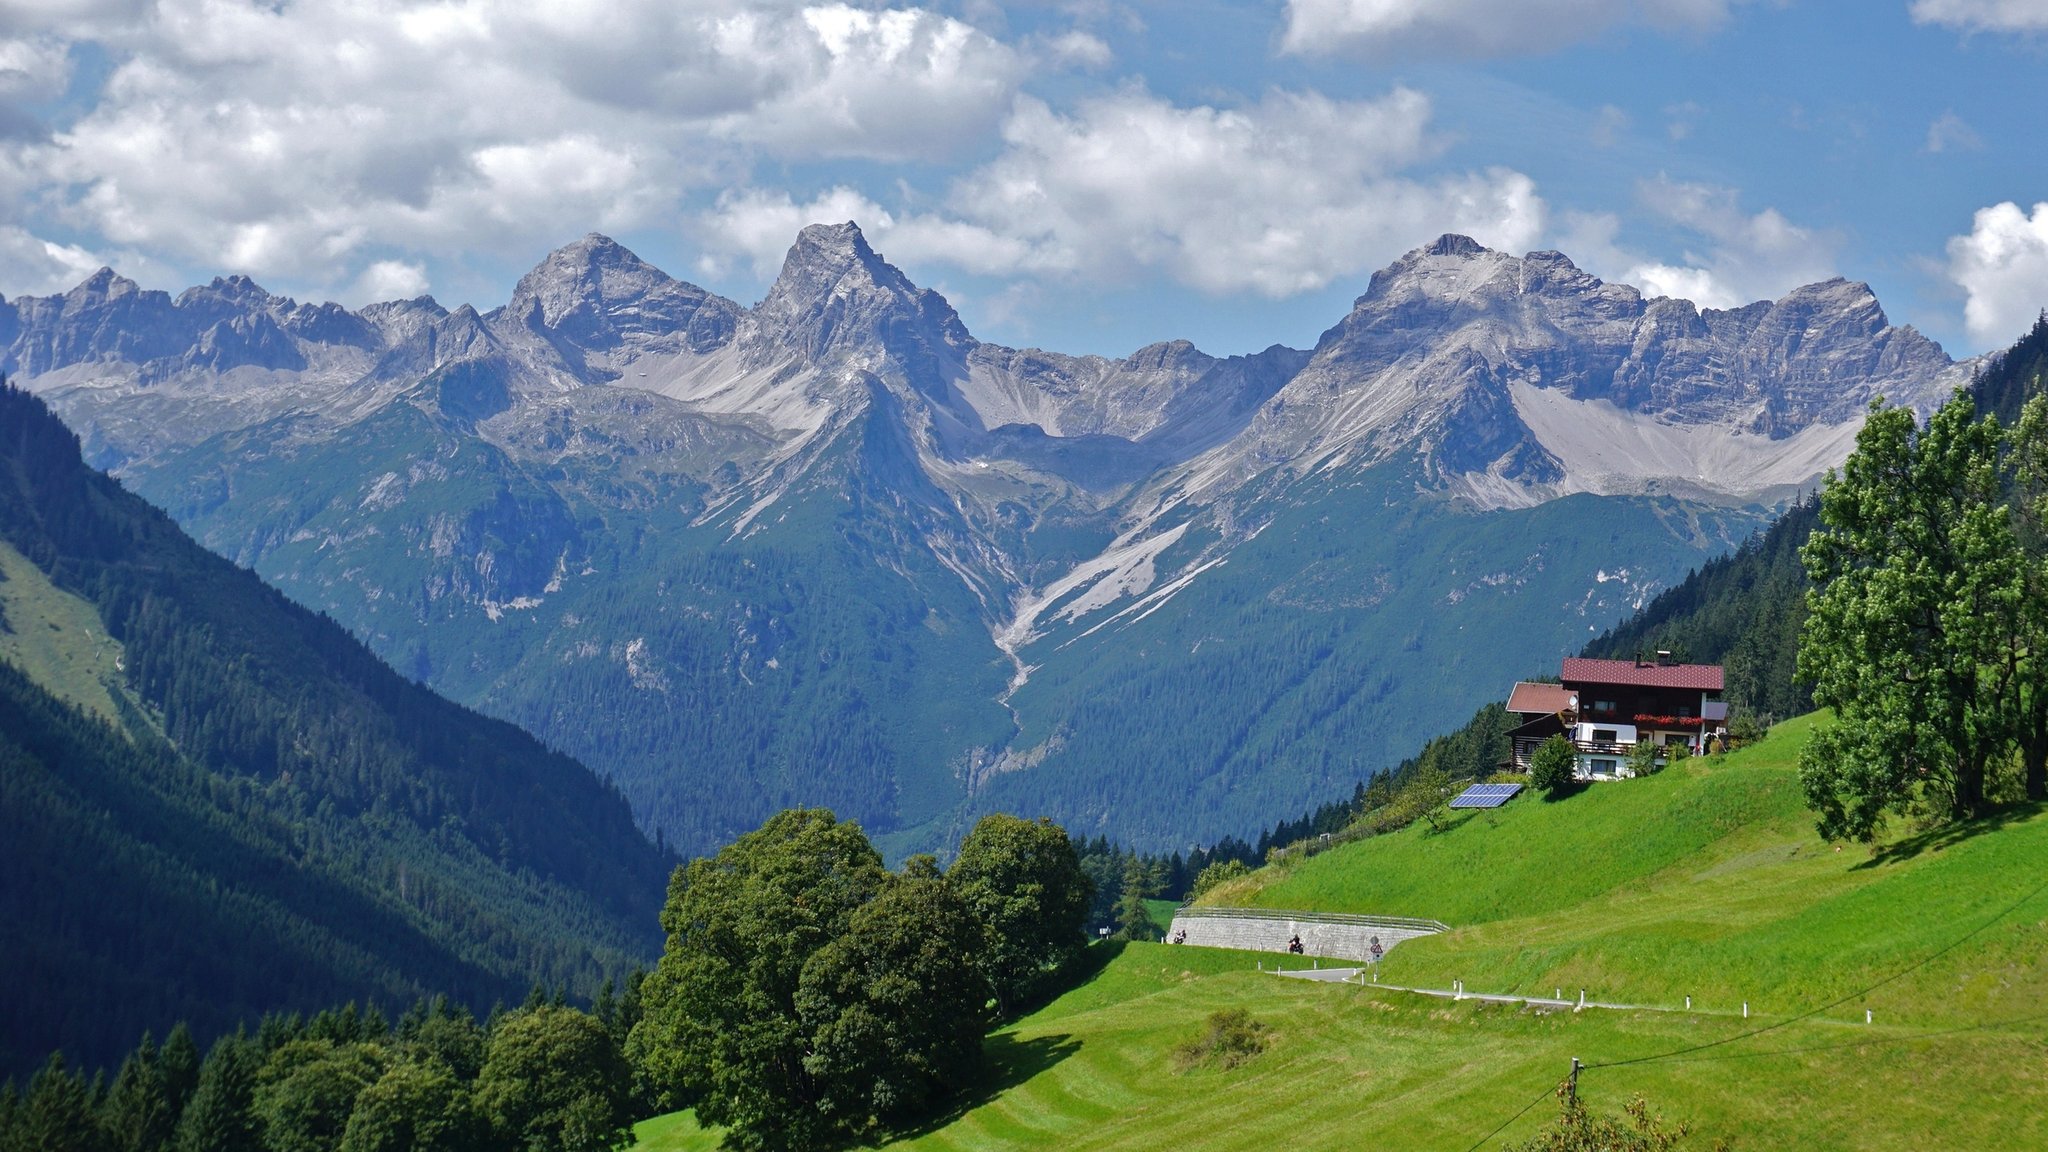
{"x":235,"y":807}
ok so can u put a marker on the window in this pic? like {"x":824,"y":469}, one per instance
{"x":1603,"y":706}
{"x":1603,"y":735}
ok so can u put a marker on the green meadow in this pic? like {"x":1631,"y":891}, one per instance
{"x":1705,"y":881}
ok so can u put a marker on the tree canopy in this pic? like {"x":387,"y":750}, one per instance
{"x":1916,"y":631}
{"x":1024,"y":883}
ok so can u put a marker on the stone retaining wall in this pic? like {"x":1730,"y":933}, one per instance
{"x":1263,"y":930}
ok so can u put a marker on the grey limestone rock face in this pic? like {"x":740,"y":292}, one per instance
{"x":596,"y":296}
{"x":837,"y":302}
{"x":1452,"y":344}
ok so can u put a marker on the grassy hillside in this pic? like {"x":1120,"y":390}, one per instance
{"x":58,"y":640}
{"x":1706,"y":880}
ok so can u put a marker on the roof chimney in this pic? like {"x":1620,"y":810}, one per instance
{"x":1664,"y":658}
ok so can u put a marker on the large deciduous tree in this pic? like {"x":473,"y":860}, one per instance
{"x":1914,"y":633}
{"x":415,"y":1106}
{"x":894,"y":1008}
{"x":1024,"y":882}
{"x":553,"y":1081}
{"x":2029,"y":496}
{"x":721,"y":1026}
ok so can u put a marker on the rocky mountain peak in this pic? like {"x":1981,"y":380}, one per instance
{"x":587,"y":276}
{"x":836,"y":297}
{"x":596,"y":294}
{"x":105,"y":284}
{"x":236,"y":290}
{"x":1167,"y":354}
{"x":1453,"y":244}
{"x":830,"y":260}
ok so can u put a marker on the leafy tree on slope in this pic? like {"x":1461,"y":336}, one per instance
{"x":893,"y":1008}
{"x":1914,"y":615}
{"x":553,"y":1081}
{"x":721,"y":1025}
{"x":1024,"y":882}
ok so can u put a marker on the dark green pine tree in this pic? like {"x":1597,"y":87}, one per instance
{"x":222,"y":1115}
{"x":179,"y":1064}
{"x":57,"y":1115}
{"x":137,"y":1115}
{"x":1133,"y":918}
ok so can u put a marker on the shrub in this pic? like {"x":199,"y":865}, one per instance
{"x":1747,"y":728}
{"x":1221,"y":872}
{"x":1231,"y":1039}
{"x":1642,"y":759}
{"x":1551,"y":767}
{"x":1579,"y":1129}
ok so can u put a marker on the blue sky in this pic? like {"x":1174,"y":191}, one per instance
{"x":1089,"y":176}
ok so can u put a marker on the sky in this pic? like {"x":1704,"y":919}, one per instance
{"x":1082,"y":175}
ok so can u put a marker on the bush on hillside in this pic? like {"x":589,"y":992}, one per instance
{"x":1231,"y":1039}
{"x":1217,"y":874}
{"x":1642,"y":759}
{"x":1748,"y":727}
{"x":1579,"y":1129}
{"x":1551,"y":768}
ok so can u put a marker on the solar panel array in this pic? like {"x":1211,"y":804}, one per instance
{"x":1486,"y":795}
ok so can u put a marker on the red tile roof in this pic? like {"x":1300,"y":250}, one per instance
{"x":1537,"y":699}
{"x":1697,"y":677}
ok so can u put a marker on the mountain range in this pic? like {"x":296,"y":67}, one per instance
{"x":833,"y":549}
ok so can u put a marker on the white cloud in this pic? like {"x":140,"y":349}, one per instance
{"x":1476,"y":27}
{"x":1078,"y":49}
{"x":290,"y":140}
{"x":1278,"y":197}
{"x":35,"y":66}
{"x":390,"y":280}
{"x":1984,"y":15}
{"x":35,"y":267}
{"x":2002,"y":266}
{"x":1951,"y":133}
{"x":1736,"y":257}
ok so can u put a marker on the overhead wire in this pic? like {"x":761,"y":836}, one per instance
{"x":1540,"y":1098}
{"x":1681,"y":1054}
{"x":1901,"y":974}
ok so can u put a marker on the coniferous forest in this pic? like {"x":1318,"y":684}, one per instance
{"x":271,"y":819}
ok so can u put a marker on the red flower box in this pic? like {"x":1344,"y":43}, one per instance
{"x":1645,"y":720}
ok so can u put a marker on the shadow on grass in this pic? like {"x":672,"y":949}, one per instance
{"x":1084,"y":967}
{"x":1949,"y":835}
{"x":1010,"y":1061}
{"x":1449,"y":823}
